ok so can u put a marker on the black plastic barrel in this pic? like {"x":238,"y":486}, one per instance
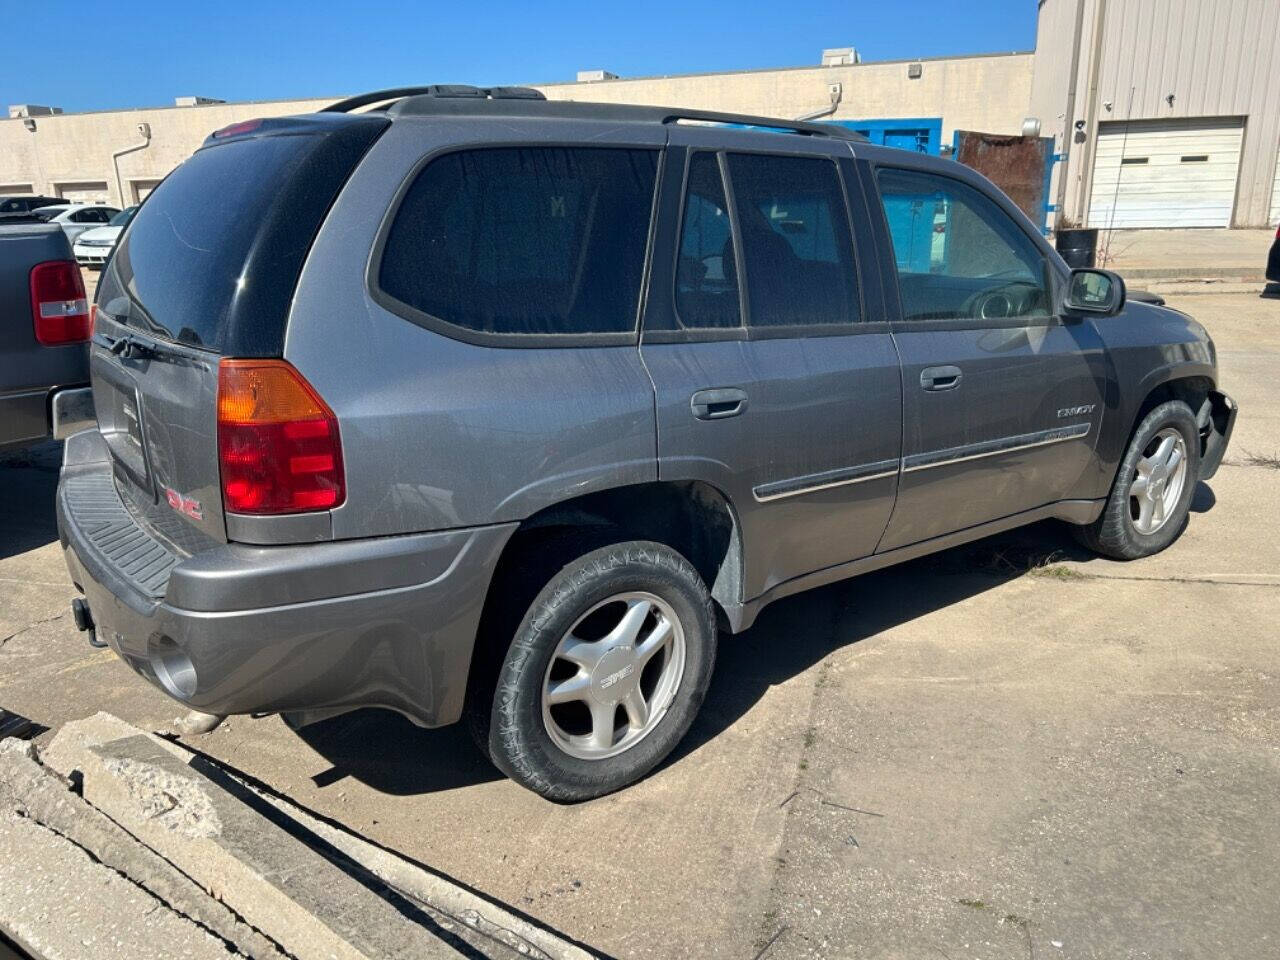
{"x":1078,"y":247}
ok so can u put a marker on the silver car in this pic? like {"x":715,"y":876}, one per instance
{"x":479,"y":404}
{"x":76,"y":218}
{"x":93,"y":247}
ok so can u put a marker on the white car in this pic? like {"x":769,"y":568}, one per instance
{"x":76,"y":218}
{"x":94,"y":246}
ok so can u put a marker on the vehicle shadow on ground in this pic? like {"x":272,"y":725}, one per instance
{"x":390,"y":754}
{"x":29,"y":483}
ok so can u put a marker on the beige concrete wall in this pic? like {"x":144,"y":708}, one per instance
{"x":1218,"y":58}
{"x":988,"y":93}
{"x":78,"y":146}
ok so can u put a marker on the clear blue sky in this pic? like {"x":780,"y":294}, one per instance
{"x":145,"y":53}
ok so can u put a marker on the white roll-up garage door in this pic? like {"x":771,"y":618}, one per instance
{"x":87,"y":192}
{"x":1166,"y":173}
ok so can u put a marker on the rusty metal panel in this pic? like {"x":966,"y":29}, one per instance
{"x":1017,"y":165}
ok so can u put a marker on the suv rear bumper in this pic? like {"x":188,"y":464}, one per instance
{"x":321,"y":627}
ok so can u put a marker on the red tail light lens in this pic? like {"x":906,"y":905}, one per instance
{"x":59,"y":307}
{"x":278,"y":444}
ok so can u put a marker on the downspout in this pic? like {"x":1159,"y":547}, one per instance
{"x":835,"y":90}
{"x":145,"y":130}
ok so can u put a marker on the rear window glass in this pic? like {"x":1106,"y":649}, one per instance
{"x":524,"y":241}
{"x":212,"y":257}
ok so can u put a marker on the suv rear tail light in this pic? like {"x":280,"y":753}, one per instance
{"x":59,"y":307}
{"x":278,"y":445}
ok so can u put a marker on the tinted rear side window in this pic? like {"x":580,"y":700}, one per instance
{"x":795,"y":241}
{"x":524,"y":241}
{"x":707,"y":271}
{"x":212,"y":258}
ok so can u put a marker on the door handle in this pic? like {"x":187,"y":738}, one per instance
{"x":718,"y":404}
{"x":940,"y":378}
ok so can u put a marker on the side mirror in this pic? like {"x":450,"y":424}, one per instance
{"x":1095,"y":291}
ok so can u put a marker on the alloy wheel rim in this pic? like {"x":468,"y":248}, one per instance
{"x":613,"y":676}
{"x":1158,"y":481}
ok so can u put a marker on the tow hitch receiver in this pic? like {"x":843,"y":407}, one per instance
{"x":84,"y":621}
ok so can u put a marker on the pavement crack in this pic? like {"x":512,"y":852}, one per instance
{"x":30,"y":626}
{"x":1210,"y":580}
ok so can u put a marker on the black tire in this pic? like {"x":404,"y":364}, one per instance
{"x":1114,"y":534}
{"x":519,"y":743}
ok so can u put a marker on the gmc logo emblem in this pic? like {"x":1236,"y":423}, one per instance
{"x":188,"y":506}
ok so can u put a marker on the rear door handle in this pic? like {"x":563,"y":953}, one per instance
{"x":940,"y":378}
{"x":718,"y":404}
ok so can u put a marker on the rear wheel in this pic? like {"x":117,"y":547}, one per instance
{"x":1151,"y":495}
{"x":606,"y":672}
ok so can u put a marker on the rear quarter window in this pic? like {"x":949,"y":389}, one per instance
{"x":522,"y":242}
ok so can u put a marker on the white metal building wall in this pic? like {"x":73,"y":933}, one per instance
{"x":1275,"y":196}
{"x":1165,"y":59}
{"x":1166,"y":173}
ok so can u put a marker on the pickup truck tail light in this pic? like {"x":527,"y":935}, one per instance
{"x":278,"y":445}
{"x":59,"y":308}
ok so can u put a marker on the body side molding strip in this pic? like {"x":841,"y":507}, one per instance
{"x":991,"y":448}
{"x":810,"y":483}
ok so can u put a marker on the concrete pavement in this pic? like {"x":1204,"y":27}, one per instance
{"x":1187,"y":253}
{"x":1007,"y":750}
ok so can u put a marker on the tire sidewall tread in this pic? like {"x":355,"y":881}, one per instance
{"x":518,"y":742}
{"x":1113,"y":533}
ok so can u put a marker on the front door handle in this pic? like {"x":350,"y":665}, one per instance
{"x":718,"y":404}
{"x":940,"y":378}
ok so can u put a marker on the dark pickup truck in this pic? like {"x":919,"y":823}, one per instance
{"x":44,"y":335}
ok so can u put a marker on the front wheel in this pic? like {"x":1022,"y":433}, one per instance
{"x":1151,"y":495}
{"x":606,"y":672}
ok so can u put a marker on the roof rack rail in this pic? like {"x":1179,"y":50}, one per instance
{"x":434,"y":105}
{"x":443,"y":90}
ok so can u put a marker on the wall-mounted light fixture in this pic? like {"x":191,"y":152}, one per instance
{"x":29,"y":123}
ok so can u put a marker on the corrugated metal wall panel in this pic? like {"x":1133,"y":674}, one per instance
{"x":1219,"y":58}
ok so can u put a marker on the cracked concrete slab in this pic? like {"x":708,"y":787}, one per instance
{"x":58,"y":903}
{"x":304,"y":883}
{"x":37,"y":793}
{"x":278,"y":884}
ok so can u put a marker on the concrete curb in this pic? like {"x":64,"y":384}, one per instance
{"x":42,"y":797}
{"x":270,"y":879}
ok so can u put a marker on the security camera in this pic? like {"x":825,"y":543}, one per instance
{"x":1080,"y":125}
{"x":1107,"y":105}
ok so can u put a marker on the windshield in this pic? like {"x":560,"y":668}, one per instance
{"x":122,"y":218}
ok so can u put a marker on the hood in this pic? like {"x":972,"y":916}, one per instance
{"x":107,"y":234}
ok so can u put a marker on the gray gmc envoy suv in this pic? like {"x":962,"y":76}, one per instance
{"x":473,"y":403}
